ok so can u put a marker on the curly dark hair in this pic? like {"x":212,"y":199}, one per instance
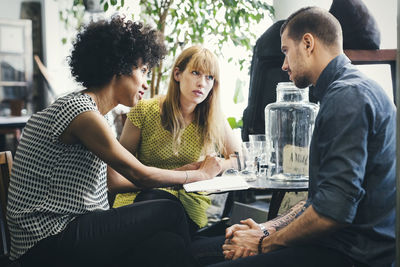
{"x":107,"y":48}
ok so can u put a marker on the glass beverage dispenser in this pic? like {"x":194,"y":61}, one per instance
{"x":289,"y":123}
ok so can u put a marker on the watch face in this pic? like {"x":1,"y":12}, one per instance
{"x":265,"y":231}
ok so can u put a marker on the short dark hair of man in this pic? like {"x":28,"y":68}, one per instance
{"x":316,"y":21}
{"x":113,"y":47}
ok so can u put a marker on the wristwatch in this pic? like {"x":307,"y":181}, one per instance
{"x":265,"y":231}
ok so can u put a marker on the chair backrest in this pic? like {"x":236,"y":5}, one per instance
{"x":5,"y":172}
{"x":381,"y":56}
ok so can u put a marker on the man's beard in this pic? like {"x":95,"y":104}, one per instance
{"x":302,"y":81}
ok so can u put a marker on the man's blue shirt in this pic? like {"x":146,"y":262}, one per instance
{"x":352,"y":163}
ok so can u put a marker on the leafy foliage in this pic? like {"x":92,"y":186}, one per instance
{"x":238,"y":94}
{"x":72,"y":17}
{"x":186,"y":22}
{"x":235,"y":123}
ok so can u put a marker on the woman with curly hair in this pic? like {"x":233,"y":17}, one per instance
{"x":182,"y":127}
{"x":57,"y":212}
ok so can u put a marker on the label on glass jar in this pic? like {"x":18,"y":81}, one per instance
{"x":295,"y":160}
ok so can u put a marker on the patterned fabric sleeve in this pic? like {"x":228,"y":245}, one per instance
{"x":137,"y":114}
{"x":69,"y":109}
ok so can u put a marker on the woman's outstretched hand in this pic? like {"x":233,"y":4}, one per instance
{"x":210,"y":166}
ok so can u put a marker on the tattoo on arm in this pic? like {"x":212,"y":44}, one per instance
{"x":286,"y":218}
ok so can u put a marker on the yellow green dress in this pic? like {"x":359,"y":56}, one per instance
{"x":155,"y":149}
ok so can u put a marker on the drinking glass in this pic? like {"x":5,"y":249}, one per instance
{"x":256,"y":137}
{"x":235,"y":163}
{"x":261,"y":163}
{"x":251,"y":154}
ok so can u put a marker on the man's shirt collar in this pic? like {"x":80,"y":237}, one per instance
{"x":328,"y":75}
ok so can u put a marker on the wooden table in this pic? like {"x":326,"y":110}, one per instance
{"x":13,"y":122}
{"x":12,"y":125}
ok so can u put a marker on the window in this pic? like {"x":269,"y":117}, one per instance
{"x":15,"y":67}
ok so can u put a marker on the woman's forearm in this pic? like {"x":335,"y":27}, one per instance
{"x":149,"y":177}
{"x":116,"y":183}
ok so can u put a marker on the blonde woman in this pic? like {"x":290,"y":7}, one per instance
{"x":177,"y":130}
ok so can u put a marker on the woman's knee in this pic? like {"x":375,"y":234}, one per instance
{"x":170,"y":207}
{"x":159,"y":208}
{"x":154,"y":194}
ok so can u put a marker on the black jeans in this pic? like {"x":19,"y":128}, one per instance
{"x":208,"y":251}
{"x":152,"y":194}
{"x":150,"y":233}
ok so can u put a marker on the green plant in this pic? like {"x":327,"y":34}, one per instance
{"x":185,"y":22}
{"x":189,"y":21}
{"x":235,"y":123}
{"x":72,"y":17}
{"x":237,"y":98}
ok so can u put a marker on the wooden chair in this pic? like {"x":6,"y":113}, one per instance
{"x":5,"y":171}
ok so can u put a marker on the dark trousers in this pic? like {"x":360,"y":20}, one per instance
{"x":152,"y":194}
{"x":151,"y":233}
{"x":209,"y":252}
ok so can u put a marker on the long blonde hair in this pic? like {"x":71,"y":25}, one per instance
{"x":207,"y":115}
